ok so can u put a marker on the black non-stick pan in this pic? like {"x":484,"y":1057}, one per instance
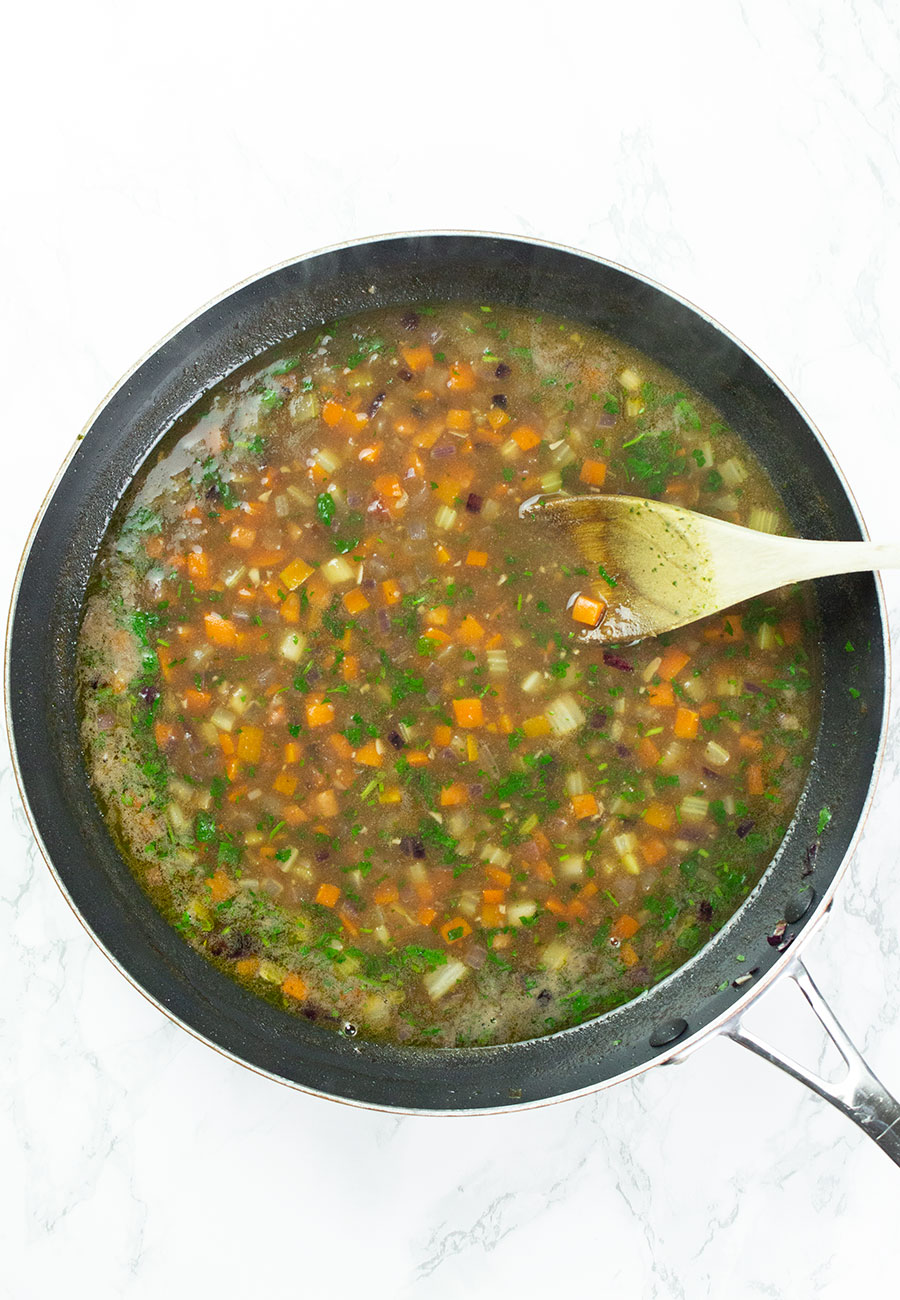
{"x":710,"y":992}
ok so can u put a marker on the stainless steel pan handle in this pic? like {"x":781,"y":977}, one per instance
{"x":858,"y":1094}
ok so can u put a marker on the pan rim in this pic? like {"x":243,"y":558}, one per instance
{"x":683,"y":1047}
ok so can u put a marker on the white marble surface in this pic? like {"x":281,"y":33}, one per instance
{"x":746,"y":155}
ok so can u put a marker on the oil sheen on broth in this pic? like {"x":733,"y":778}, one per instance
{"x":339,"y":709}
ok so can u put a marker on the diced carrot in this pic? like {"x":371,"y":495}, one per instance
{"x":593,"y":472}
{"x":790,"y":631}
{"x":470,"y":630}
{"x":648,"y":753}
{"x":588,"y":609}
{"x":327,"y":894}
{"x":501,"y":877}
{"x":441,"y":553}
{"x":537,"y":726}
{"x":386,"y":892}
{"x":755,"y":779}
{"x":292,"y":752}
{"x":391,"y":591}
{"x":221,"y":631}
{"x":462,"y":377}
{"x":751,"y":743}
{"x":285,"y":783}
{"x":350,"y":668}
{"x":353,"y":421}
{"x":341,"y":745}
{"x":154,"y":547}
{"x":628,"y":954}
{"x":393,"y":794}
{"x":242,"y":536}
{"x":355,"y":601}
{"x":266,"y":557}
{"x":249,"y":744}
{"x":198,"y":569}
{"x":477,"y":559}
{"x":709,"y":709}
{"x":295,"y":574}
{"x":437,"y":635}
{"x":416,"y":757}
{"x":625,"y":927}
{"x":455,"y":929}
{"x":294,"y":986}
{"x":197,"y":701}
{"x":426,"y":915}
{"x":556,"y":906}
{"x":493,"y":916}
{"x":469,"y":712}
{"x":660,"y":816}
{"x":459,"y":419}
{"x":332,"y":413}
{"x":370,"y":755}
{"x":686,"y":723}
{"x":672,"y":663}
{"x":232,"y":769}
{"x":439,"y":616}
{"x":589,"y":890}
{"x":584,"y":805}
{"x":418,"y":359}
{"x":471,"y":749}
{"x":726,"y":630}
{"x":247,"y":966}
{"x":290,"y":608}
{"x":390,"y":489}
{"x":653,"y":851}
{"x":661,"y":696}
{"x":163,"y":734}
{"x":525,"y":437}
{"x":293,"y":815}
{"x":226,"y":744}
{"x":452,"y":795}
{"x":497,"y":419}
{"x":319,"y":712}
{"x":442,"y":735}
{"x":372,"y":454}
{"x":221,"y":886}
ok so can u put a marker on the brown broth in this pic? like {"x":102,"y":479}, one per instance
{"x":342,"y":721}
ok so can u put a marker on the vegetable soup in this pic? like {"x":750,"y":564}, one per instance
{"x":340,"y":704}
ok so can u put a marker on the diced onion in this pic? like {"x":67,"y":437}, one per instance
{"x":564,"y":715}
{"x":338,"y":570}
{"x":733,"y":472}
{"x":292,"y":646}
{"x":575,"y":783}
{"x":521,"y":907}
{"x":555,"y":955}
{"x":533,"y":683}
{"x":572,"y":867}
{"x":222,"y":720}
{"x":441,"y":980}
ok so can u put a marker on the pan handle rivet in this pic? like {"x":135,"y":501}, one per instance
{"x":799,"y":905}
{"x":669,"y":1032}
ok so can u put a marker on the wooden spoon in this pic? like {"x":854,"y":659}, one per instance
{"x":669,"y":566}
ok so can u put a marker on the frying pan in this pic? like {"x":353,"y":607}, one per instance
{"x":712,"y":991}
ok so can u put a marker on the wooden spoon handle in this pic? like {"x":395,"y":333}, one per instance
{"x":794,"y":559}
